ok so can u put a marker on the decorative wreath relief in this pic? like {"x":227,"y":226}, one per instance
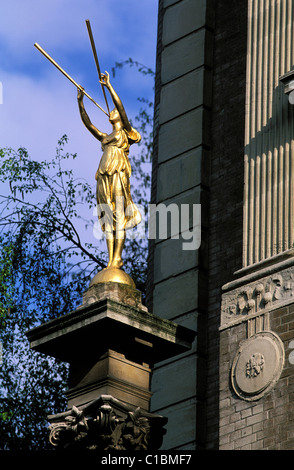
{"x":255,"y":365}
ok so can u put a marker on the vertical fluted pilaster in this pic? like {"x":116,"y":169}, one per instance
{"x":269,"y":132}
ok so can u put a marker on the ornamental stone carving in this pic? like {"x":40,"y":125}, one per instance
{"x":254,"y":297}
{"x":257,"y":365}
{"x":106,"y":424}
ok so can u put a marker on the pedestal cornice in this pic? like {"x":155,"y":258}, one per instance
{"x":108,"y":324}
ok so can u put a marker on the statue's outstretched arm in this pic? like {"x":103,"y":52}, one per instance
{"x":86,"y":120}
{"x":116,"y":101}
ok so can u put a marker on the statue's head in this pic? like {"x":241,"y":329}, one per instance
{"x":114,"y":116}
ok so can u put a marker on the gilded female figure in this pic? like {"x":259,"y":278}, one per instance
{"x":116,"y":210}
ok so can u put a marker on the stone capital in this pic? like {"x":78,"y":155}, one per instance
{"x":106,"y":424}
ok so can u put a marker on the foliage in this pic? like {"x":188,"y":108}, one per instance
{"x":133,"y":63}
{"x":45,"y":266}
{"x":44,"y":200}
{"x":37,"y":244}
{"x":6,"y":285}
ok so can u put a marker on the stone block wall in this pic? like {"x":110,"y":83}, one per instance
{"x":198,"y":155}
{"x":200,"y":129}
{"x":177,"y":285}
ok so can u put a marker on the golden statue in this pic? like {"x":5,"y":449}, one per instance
{"x":116,"y":209}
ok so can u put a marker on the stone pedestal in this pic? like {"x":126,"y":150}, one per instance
{"x":111,"y":342}
{"x":110,"y":374}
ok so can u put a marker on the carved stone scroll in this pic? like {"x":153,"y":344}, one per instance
{"x":107,"y":424}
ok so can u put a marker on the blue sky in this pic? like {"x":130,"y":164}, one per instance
{"x":39,"y":103}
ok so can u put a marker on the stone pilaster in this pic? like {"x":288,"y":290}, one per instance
{"x":269,"y":144}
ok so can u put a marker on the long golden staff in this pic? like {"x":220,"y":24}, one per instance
{"x":67,"y":76}
{"x":96,"y":59}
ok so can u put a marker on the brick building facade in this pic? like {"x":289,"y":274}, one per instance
{"x":223,"y":138}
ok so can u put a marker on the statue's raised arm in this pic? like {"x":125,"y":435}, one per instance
{"x":85,"y":118}
{"x":116,"y":101}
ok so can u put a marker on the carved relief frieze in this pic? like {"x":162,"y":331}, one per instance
{"x":257,"y":296}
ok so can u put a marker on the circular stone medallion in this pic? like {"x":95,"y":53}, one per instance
{"x":258,"y":365}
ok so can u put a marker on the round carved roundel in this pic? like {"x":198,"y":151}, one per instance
{"x":257,"y":365}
